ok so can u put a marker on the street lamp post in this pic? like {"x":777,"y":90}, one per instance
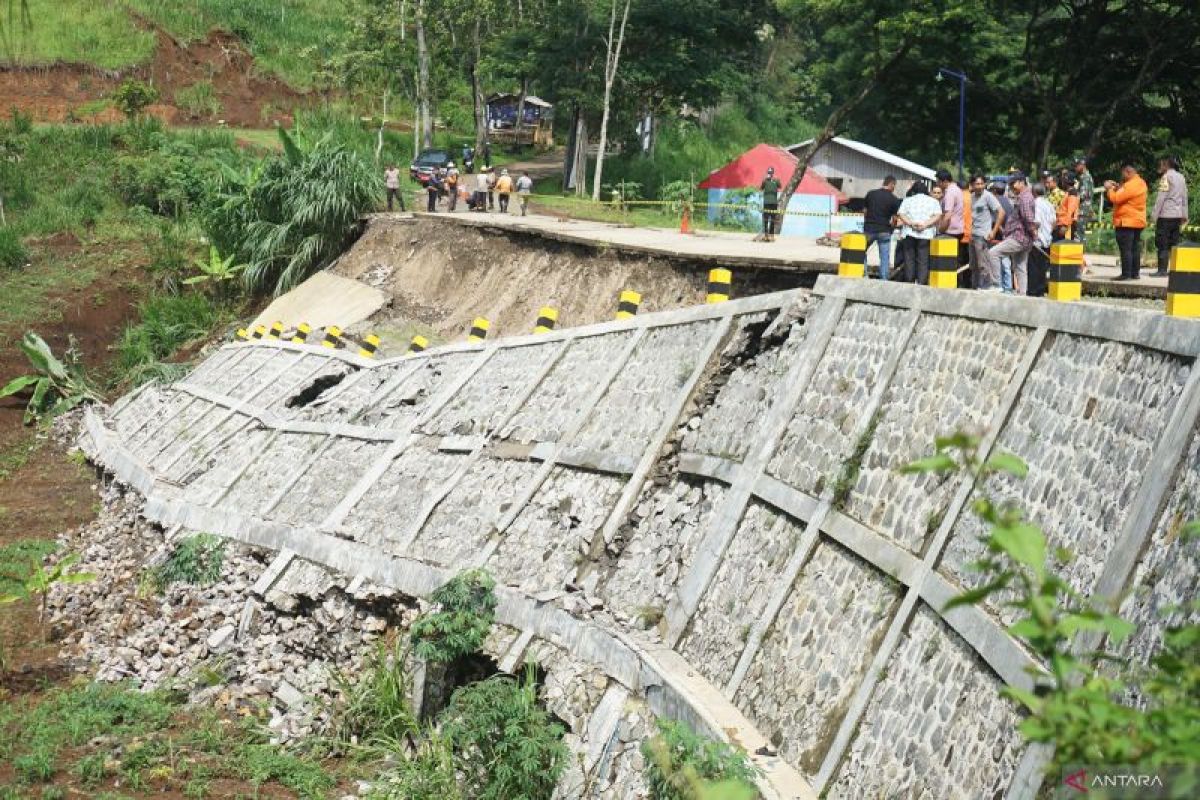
{"x":962,"y":109}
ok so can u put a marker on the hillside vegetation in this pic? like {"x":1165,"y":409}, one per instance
{"x":285,"y":36}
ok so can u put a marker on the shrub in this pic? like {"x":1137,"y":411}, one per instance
{"x":466,"y":608}
{"x":426,"y":774}
{"x":680,"y":765}
{"x":13,"y":254}
{"x":294,"y":214}
{"x":505,"y":745}
{"x":169,"y":178}
{"x":198,"y":100}
{"x":133,"y":96}
{"x":196,"y":560}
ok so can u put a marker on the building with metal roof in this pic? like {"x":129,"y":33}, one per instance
{"x":856,"y":168}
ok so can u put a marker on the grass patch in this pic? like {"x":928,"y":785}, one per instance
{"x":168,"y":322}
{"x":15,"y":456}
{"x":848,"y":478}
{"x":78,"y":31}
{"x":150,"y":745}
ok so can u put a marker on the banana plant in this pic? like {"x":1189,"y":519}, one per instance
{"x":41,"y":580}
{"x":57,"y":386}
{"x":215,"y":270}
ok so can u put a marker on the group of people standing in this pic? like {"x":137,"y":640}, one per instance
{"x":480,"y":191}
{"x":1005,"y":227}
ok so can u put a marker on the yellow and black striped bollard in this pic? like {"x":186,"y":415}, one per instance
{"x":627,"y":304}
{"x":479,"y":330}
{"x":259,"y":332}
{"x":242,"y":333}
{"x":418,"y":344}
{"x":301,"y":334}
{"x":370,"y":344}
{"x":547,"y":319}
{"x":1065,"y":279}
{"x":333,"y":337}
{"x":276,"y":331}
{"x":943,"y":262}
{"x":1183,"y":281}
{"x":719,"y":281}
{"x":853,"y":261}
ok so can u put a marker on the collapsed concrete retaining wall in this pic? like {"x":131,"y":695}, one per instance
{"x":701,"y":508}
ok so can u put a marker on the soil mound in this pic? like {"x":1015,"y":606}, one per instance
{"x":69,"y":92}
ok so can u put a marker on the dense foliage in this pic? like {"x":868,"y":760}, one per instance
{"x":465,"y":608}
{"x":196,"y":560}
{"x":1081,"y":704}
{"x":680,"y":765}
{"x":506,"y":746}
{"x":293,"y":213}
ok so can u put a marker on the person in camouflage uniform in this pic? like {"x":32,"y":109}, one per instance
{"x":1087,"y":193}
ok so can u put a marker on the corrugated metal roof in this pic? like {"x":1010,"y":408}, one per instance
{"x":876,"y":153}
{"x":530,"y":99}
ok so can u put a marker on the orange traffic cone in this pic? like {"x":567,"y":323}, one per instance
{"x":685,"y":224}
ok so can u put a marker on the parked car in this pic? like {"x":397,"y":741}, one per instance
{"x":426,"y":163}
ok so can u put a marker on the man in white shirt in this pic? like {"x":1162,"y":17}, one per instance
{"x":524,"y":188}
{"x":1039,"y":256}
{"x":391,"y":181}
{"x":918,"y":215}
{"x":481,"y":190}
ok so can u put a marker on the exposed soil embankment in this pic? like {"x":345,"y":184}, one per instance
{"x":66,"y":92}
{"x":442,"y":275}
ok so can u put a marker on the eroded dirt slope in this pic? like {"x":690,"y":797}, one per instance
{"x":442,"y":275}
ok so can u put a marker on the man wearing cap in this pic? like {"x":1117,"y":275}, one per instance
{"x":1129,"y":219}
{"x":1087,"y":191}
{"x":1170,"y":210}
{"x":770,"y":204}
{"x":1020,"y":228}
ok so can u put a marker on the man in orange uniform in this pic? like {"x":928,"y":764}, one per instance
{"x":1129,"y":218}
{"x":1067,"y":213}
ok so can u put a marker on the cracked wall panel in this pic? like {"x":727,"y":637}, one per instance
{"x":247,"y":374}
{"x":557,"y":400}
{"x":349,"y":399}
{"x":739,"y":592}
{"x":486,"y":398}
{"x":408,"y":401}
{"x":210,"y":370}
{"x":936,"y":725}
{"x":287,"y":389}
{"x":757,"y":368}
{"x":552,"y":535}
{"x":392,"y":506}
{"x":180,"y":434}
{"x":268,"y":474}
{"x":463,"y":522}
{"x":818,"y":439}
{"x":209,"y":478}
{"x":816,"y":652}
{"x":153,"y":436}
{"x":327,"y":481}
{"x":649,"y":382}
{"x":142,"y":412}
{"x":1086,"y":425}
{"x":663,"y":531}
{"x":200,"y":454}
{"x":951,"y":378}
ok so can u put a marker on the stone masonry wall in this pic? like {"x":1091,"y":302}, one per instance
{"x":698,"y":514}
